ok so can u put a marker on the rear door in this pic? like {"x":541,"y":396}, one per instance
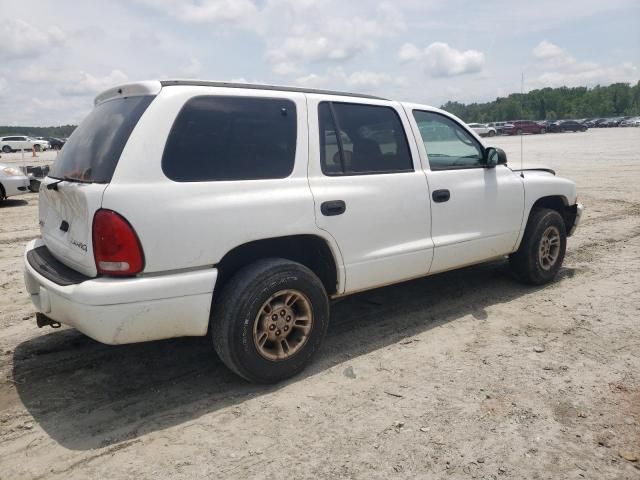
{"x":369,"y":191}
{"x":72,"y":193}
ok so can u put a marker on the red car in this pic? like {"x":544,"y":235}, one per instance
{"x":524,"y":126}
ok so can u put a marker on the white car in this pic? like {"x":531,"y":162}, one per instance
{"x":482,"y":129}
{"x":191,"y":208}
{"x":21,"y":142}
{"x":631,"y":122}
{"x":12,"y":182}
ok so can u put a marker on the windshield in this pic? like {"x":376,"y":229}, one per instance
{"x":93,"y":150}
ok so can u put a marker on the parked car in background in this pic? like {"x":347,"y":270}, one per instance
{"x":22,"y":142}
{"x":613,"y":122}
{"x":567,"y":126}
{"x":525,"y":126}
{"x":600,"y":123}
{"x":630,"y":122}
{"x":482,"y":129}
{"x":12,"y":182}
{"x":499,"y":126}
{"x":56,"y":143}
{"x":250,"y":251}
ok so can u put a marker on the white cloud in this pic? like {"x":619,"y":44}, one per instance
{"x":362,"y":80}
{"x":316,"y":37}
{"x":546,"y":50}
{"x":19,"y":39}
{"x":557,"y":67}
{"x":71,"y":83}
{"x":207,"y":11}
{"x":441,"y":60}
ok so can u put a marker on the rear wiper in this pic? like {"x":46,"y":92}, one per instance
{"x":54,"y":185}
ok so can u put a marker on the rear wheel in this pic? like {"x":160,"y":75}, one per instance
{"x":583,"y":129}
{"x":519,"y":132}
{"x":543,"y":247}
{"x":269,"y":320}
{"x":491,"y":133}
{"x":6,"y":149}
{"x":543,"y":130}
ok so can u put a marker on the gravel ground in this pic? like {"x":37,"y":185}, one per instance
{"x":461,"y":375}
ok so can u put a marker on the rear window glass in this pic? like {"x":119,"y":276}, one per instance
{"x":94,"y":148}
{"x":231,"y":138}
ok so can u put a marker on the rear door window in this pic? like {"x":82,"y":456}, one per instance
{"x":231,"y":138}
{"x":94,"y":148}
{"x":360,"y":139}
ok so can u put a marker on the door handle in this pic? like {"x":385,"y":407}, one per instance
{"x":333,"y":207}
{"x":440,"y":196}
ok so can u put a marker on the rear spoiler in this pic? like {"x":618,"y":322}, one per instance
{"x":150,"y":87}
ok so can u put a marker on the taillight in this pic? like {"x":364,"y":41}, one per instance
{"x":116,"y":247}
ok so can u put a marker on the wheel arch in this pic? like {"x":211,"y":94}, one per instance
{"x":312,"y":251}
{"x":560,"y":204}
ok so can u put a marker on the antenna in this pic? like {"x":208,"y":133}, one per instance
{"x":521,"y":137}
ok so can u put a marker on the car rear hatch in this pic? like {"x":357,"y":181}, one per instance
{"x":72,"y":193}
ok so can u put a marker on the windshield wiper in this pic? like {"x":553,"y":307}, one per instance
{"x":54,"y":185}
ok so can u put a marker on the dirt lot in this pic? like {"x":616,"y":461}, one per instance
{"x":437,"y":378}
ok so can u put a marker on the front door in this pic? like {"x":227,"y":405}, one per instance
{"x":369,"y":190}
{"x":476,"y":212}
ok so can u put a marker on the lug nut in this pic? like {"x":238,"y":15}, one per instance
{"x":286,"y":328}
{"x":274,"y":317}
{"x":288,"y":318}
{"x":272,"y":327}
{"x":282,"y":312}
{"x":278,"y":332}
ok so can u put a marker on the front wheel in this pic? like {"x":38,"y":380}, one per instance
{"x":491,"y":133}
{"x":6,"y":149}
{"x":269,"y":320}
{"x":543,"y":130}
{"x":543,"y":247}
{"x":518,"y":132}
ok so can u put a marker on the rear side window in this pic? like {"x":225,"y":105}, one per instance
{"x":358,"y":139}
{"x":94,"y":148}
{"x":231,"y":138}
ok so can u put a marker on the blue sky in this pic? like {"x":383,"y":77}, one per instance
{"x":56,"y":56}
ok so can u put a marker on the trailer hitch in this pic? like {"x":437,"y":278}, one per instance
{"x":42,"y":321}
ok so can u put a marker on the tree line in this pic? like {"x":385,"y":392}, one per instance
{"x":618,"y":99}
{"x":61,"y":131}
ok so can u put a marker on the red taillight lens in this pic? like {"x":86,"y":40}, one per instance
{"x":116,"y":247}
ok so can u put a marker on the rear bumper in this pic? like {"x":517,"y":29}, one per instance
{"x":15,"y":185}
{"x":127,"y":310}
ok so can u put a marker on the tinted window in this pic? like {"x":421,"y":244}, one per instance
{"x":371,"y":139}
{"x":231,"y":138}
{"x":93,"y":150}
{"x":448,"y":145}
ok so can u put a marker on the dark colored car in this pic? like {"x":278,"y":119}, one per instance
{"x":56,"y":143}
{"x":567,"y":126}
{"x":525,"y":126}
{"x":601,"y":122}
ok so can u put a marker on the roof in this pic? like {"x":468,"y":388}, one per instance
{"x":205,"y":83}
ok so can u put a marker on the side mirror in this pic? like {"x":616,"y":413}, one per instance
{"x":494,"y":156}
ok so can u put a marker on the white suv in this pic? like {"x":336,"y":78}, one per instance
{"x":260,"y":204}
{"x":18,"y":142}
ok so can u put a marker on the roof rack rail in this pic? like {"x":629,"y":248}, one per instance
{"x":205,"y":83}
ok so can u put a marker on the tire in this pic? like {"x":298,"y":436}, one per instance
{"x":3,"y":195}
{"x":543,"y":130}
{"x":518,"y":132}
{"x":491,"y":133}
{"x":6,"y":149}
{"x":528,"y":263}
{"x":37,"y":148}
{"x":583,"y":129}
{"x":237,"y":327}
